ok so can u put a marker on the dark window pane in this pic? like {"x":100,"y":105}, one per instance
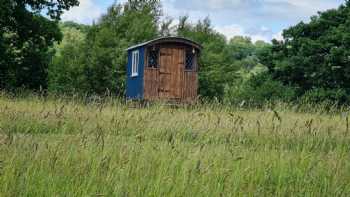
{"x":189,"y":60}
{"x":153,"y":57}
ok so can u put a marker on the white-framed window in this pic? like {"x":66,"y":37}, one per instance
{"x":135,"y":63}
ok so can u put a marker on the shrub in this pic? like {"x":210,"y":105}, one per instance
{"x":321,"y":95}
{"x":258,"y":90}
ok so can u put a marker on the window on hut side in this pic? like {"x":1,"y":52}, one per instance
{"x":153,"y":58}
{"x":135,"y":63}
{"x":189,"y":61}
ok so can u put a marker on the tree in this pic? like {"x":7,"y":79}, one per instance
{"x":96,"y":64}
{"x":315,"y":54}
{"x":124,"y":25}
{"x":165,"y":27}
{"x":25,"y":37}
{"x":67,"y":70}
{"x":214,"y":60}
{"x":93,"y":59}
{"x":241,"y":47}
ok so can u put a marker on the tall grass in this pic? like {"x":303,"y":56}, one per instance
{"x":62,"y":147}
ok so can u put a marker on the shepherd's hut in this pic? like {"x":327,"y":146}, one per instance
{"x":163,"y":69}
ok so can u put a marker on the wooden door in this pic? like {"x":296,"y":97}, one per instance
{"x":171,"y":69}
{"x":151,"y":84}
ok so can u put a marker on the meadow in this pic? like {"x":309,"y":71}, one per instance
{"x":68,"y":147}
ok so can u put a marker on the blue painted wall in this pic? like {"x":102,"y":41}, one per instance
{"x":134,"y":85}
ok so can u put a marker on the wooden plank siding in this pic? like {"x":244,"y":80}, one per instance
{"x":190,"y":86}
{"x":177,"y":70}
{"x":151,"y":81}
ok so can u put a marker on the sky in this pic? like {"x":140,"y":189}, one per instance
{"x":258,"y":19}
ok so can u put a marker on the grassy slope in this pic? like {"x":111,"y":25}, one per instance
{"x":56,"y":148}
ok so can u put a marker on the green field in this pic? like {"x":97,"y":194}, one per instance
{"x":67,"y":148}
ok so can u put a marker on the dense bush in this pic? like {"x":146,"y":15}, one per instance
{"x":66,"y":70}
{"x":321,"y":95}
{"x":258,"y":90}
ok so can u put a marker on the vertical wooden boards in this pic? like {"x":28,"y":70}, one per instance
{"x":165,"y":73}
{"x":151,"y":84}
{"x":178,"y":70}
{"x":171,"y":67}
{"x":190,"y":85}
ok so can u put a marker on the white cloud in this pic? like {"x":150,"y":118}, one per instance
{"x":206,"y":5}
{"x":278,"y":36}
{"x":231,"y":31}
{"x":258,"y":19}
{"x":86,"y":12}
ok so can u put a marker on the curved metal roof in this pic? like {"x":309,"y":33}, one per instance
{"x":171,"y":39}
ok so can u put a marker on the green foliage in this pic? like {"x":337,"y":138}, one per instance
{"x":321,"y":95}
{"x":213,"y":58}
{"x":258,"y":90}
{"x":104,"y":56}
{"x":92,"y":59}
{"x":25,"y":37}
{"x":99,"y":65}
{"x":122,"y":26}
{"x":313,"y":57}
{"x":67,"y":71}
{"x":72,"y":25}
{"x":315,"y":54}
{"x":241,"y":47}
{"x":220,"y":61}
